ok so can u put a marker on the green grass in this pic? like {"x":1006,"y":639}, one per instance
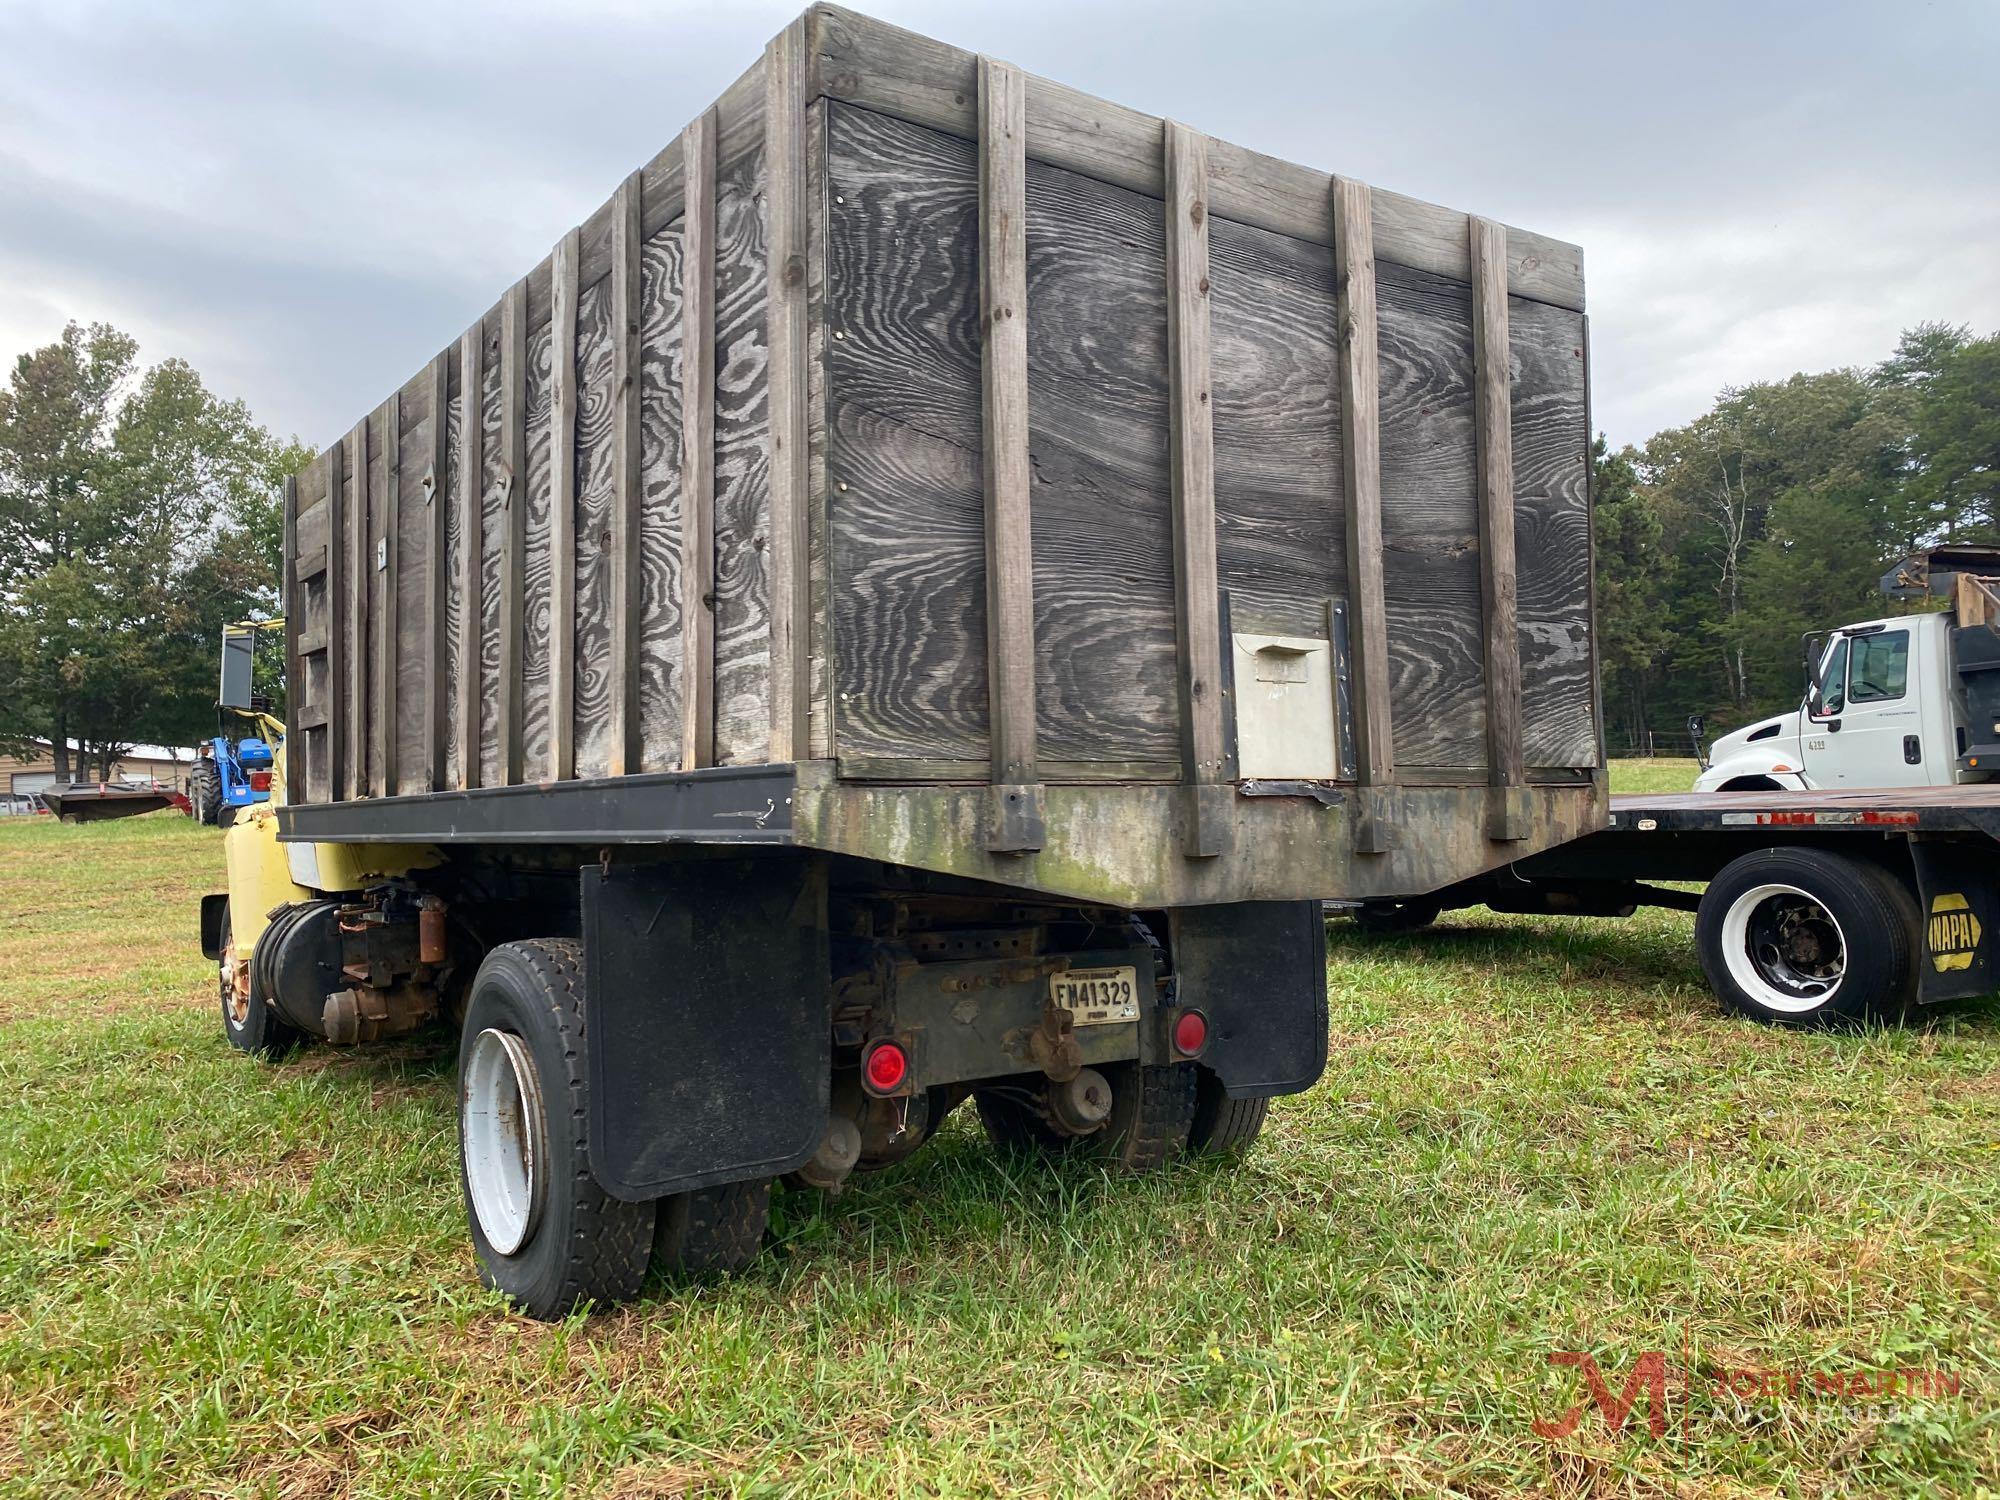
{"x":1533,"y":1136}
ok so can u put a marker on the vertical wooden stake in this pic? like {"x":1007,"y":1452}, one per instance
{"x":1493,"y":414}
{"x":1016,"y":825}
{"x":291,"y":603}
{"x":785,"y":184}
{"x":513,"y":512}
{"x":335,"y":705}
{"x":626,"y":496}
{"x":471,"y":546}
{"x":562,"y":508}
{"x":698,"y":446}
{"x":360,"y":568}
{"x":1361,"y":446}
{"x":387,"y":632}
{"x":1197,"y":601}
{"x":437,"y":703}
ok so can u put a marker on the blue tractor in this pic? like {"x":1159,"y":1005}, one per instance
{"x":238,"y":771}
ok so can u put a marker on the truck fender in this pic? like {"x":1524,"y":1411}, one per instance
{"x":1722,"y":772}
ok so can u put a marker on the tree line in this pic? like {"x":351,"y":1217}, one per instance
{"x":139,"y":514}
{"x":1720,"y":543}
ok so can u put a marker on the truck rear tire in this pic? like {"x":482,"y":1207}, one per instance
{"x":1223,"y":1126}
{"x":1379,"y":918}
{"x":1800,"y":937}
{"x":545,"y":1232}
{"x":712,"y":1231}
{"x":1152,"y":1111}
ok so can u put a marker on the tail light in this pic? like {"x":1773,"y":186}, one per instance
{"x":885,"y":1067}
{"x":1190,"y":1033}
{"x":260,"y":781}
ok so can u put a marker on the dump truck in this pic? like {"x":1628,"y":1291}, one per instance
{"x":916,"y":600}
{"x":1848,"y":848}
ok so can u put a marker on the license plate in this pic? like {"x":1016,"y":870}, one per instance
{"x":1095,"y":996}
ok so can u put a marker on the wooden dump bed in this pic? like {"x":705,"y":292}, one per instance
{"x":1072,"y":499}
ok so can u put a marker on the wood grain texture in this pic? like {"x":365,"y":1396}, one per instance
{"x":332,"y":698}
{"x":507,"y":551}
{"x":906,"y":515}
{"x":434,"y":648}
{"x":291,"y":605}
{"x":457,"y":565}
{"x":462,"y":540}
{"x":560,"y":507}
{"x":406,"y":734}
{"x":696,"y":476}
{"x":1430,"y":519}
{"x":1279,"y":489}
{"x":1097,"y":359}
{"x":663,"y":610}
{"x":1551,"y":436}
{"x":625,"y":752}
{"x":1005,"y":422}
{"x":742,"y":468}
{"x":885,"y":68}
{"x":360,"y":568}
{"x":1493,"y":423}
{"x":384,"y":614}
{"x":1197,"y":600}
{"x":819,"y":675}
{"x":538,"y":597}
{"x":593,"y":583}
{"x":1359,"y":328}
{"x":785,"y":314}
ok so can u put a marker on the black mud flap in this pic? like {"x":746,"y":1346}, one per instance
{"x":707,"y":1021}
{"x":1955,"y":885}
{"x":1257,"y":969}
{"x":214,"y":912}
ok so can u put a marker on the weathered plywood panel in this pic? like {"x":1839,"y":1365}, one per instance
{"x":417,"y":639}
{"x":1430,"y":519}
{"x":660,"y":353}
{"x":1552,"y":533}
{"x":494,"y":550}
{"x":907,"y":549}
{"x":453,"y":626}
{"x":537,"y":560}
{"x":1280,"y":540}
{"x":1098,"y":396}
{"x":594,"y":499}
{"x":742,"y":470}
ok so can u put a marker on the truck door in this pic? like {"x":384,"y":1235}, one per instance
{"x":1865,"y":730}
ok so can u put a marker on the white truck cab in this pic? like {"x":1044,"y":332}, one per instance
{"x":1902,"y":701}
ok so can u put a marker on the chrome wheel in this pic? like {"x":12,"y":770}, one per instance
{"x":500,"y":1132}
{"x":1784,"y":948}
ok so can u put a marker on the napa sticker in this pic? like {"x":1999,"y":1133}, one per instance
{"x":1954,"y":933}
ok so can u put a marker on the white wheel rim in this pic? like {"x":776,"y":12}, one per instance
{"x":1784,"y":949}
{"x":500,"y":1133}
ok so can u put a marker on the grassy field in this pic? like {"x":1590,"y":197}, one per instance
{"x":1533,"y":1136}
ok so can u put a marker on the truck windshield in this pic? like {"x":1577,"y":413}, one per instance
{"x":1829,"y":689}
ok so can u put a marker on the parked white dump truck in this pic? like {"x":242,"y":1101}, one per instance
{"x":1851,"y":847}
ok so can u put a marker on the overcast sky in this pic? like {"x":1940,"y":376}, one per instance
{"x":309,"y":200}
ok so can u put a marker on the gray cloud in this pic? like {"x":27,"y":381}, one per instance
{"x":309,"y":201}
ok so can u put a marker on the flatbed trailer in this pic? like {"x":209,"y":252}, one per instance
{"x":1818,"y":907}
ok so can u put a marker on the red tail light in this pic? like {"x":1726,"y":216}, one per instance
{"x":885,"y":1067}
{"x":1190,"y":1033}
{"x":260,"y":781}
